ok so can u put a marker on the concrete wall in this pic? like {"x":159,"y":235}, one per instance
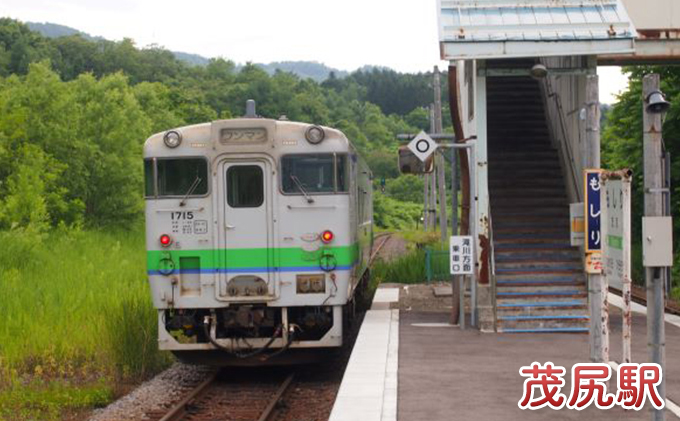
{"x":654,"y":14}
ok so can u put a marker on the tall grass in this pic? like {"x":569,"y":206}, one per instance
{"x":409,"y":268}
{"x":75,"y":304}
{"x":406,"y":269}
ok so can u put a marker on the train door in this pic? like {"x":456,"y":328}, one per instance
{"x":246,"y":241}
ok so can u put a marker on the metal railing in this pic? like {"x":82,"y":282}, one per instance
{"x":437,"y":265}
{"x":492,"y":272}
{"x":563,"y":138}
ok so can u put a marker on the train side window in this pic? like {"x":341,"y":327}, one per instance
{"x":245,"y":186}
{"x":343,"y":174}
{"x":182,"y":176}
{"x":149,"y":180}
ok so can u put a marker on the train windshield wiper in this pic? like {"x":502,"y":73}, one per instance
{"x":193,"y":186}
{"x":302,"y":189}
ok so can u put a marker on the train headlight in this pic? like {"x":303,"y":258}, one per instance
{"x":165,"y":240}
{"x":172,"y":139}
{"x":315,"y":135}
{"x":327,"y":236}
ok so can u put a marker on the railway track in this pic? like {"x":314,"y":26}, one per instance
{"x":264,"y":394}
{"x":639,"y":295}
{"x":376,"y":249}
{"x":219,"y":397}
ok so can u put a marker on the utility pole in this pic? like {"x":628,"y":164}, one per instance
{"x":597,"y":284}
{"x":654,"y":206}
{"x":439,"y":158}
{"x":433,"y":175}
{"x":426,"y":202}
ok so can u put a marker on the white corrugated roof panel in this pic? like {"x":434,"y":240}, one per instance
{"x":529,"y":28}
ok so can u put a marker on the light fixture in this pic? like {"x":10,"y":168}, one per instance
{"x":656,"y":103}
{"x":315,"y":135}
{"x":172,"y":139}
{"x":165,"y":240}
{"x":327,"y":236}
{"x":538,"y":71}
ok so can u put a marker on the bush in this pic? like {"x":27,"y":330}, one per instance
{"x":393,"y":214}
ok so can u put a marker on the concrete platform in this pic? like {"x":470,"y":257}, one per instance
{"x":448,"y":374}
{"x":369,"y":386}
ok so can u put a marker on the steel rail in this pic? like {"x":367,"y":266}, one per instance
{"x":377,"y":249}
{"x":269,"y":411}
{"x":180,"y":409}
{"x":638,"y":295}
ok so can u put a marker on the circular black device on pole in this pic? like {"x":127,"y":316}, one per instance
{"x":422,"y":146}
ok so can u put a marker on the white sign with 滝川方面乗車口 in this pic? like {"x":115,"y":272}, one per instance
{"x":461,"y":255}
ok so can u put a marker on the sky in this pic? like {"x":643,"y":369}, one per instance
{"x":343,"y":34}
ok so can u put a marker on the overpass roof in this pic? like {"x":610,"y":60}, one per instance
{"x":487,"y":29}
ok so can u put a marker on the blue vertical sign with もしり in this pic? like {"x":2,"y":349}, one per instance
{"x":592,"y":211}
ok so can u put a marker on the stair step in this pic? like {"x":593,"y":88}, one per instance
{"x":518,"y":154}
{"x":530,"y":238}
{"x":533,"y":323}
{"x":527,"y":290}
{"x":539,"y":283}
{"x":510,"y":208}
{"x":533,"y":266}
{"x":511,"y":165}
{"x":496,"y":184}
{"x":546,"y":270}
{"x":543,"y":311}
{"x":527,"y":197}
{"x":536,"y":220}
{"x":549,"y":317}
{"x":548,"y":330}
{"x":540,"y":293}
{"x":540,"y":277}
{"x":546,"y":244}
{"x":560,"y":235}
{"x":533,"y":258}
{"x":541,"y":304}
{"x":528,"y":200}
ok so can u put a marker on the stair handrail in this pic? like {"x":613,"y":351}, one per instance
{"x":565,"y":145}
{"x":492,"y":272}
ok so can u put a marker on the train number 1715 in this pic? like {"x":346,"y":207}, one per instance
{"x":176,"y":216}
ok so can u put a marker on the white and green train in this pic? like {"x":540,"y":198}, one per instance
{"x":258,"y":236}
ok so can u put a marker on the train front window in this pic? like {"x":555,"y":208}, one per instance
{"x":316,"y":173}
{"x":182,"y":177}
{"x":245,"y":186}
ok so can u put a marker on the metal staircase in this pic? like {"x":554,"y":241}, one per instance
{"x":540,"y":286}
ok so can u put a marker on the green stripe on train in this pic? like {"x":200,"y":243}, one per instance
{"x":256,"y":257}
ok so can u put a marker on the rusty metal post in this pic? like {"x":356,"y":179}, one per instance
{"x":611,"y":266}
{"x":439,"y":159}
{"x":455,"y":281}
{"x":463,"y":162}
{"x":654,"y":276}
{"x":626,"y":288}
{"x":597,"y":284}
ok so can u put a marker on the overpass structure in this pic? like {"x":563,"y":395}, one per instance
{"x":536,"y":133}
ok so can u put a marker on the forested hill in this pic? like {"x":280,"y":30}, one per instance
{"x":75,"y":111}
{"x":305,"y":69}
